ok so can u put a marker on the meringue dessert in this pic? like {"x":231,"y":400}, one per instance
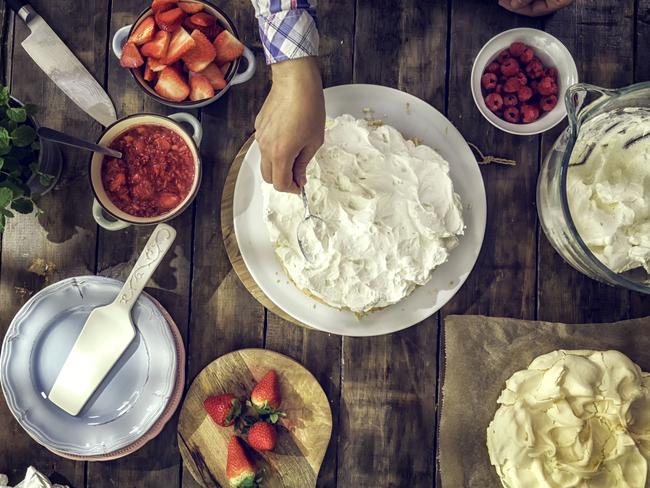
{"x":391,"y":217}
{"x":608,"y":188}
{"x":573,"y":419}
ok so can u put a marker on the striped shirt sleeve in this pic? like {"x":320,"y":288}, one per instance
{"x":288,"y":28}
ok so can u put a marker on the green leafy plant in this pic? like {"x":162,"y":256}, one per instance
{"x":19,"y":158}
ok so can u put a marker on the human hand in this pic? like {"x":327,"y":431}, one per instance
{"x":534,"y":8}
{"x":291,"y":124}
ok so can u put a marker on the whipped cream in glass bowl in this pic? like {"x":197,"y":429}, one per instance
{"x":391,"y":212}
{"x":593,"y":193}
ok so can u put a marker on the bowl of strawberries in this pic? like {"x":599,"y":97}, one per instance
{"x":519,"y":79}
{"x":183,"y":53}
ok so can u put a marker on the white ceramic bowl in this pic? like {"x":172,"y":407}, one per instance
{"x":551,"y":52}
{"x":413,"y":118}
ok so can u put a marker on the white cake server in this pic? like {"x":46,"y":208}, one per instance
{"x":108,"y":331}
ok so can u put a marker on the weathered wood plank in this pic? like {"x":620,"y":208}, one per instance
{"x":401,"y":45}
{"x":642,"y":62}
{"x":6,"y":42}
{"x":158,"y":463}
{"x":599,"y":35}
{"x":224,"y":315}
{"x":319,"y":352}
{"x":503,"y":280}
{"x":61,"y":243}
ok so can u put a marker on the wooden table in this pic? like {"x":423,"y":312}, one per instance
{"x":383,"y":390}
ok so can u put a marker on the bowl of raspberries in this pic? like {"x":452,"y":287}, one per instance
{"x":519,"y":80}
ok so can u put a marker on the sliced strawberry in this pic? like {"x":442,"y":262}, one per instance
{"x":228,"y":47}
{"x":210,"y":32}
{"x":170,"y":20}
{"x":131,"y":57}
{"x":143,"y":33}
{"x":224,"y":68}
{"x":155,"y":65}
{"x":214,"y":76}
{"x":203,"y":19}
{"x":201,"y":55}
{"x":157,"y":48}
{"x":200,"y":87}
{"x":180,"y":43}
{"x":191,"y":7}
{"x":148,"y":74}
{"x":162,"y":5}
{"x":171,"y":85}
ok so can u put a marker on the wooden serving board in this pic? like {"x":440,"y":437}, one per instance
{"x":303,"y":435}
{"x":230,"y":239}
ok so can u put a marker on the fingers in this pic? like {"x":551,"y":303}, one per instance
{"x":302,"y":161}
{"x":283,"y":173}
{"x":535,"y":8}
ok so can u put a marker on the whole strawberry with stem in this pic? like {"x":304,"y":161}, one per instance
{"x":266,"y":398}
{"x":239,"y":468}
{"x":224,"y":409}
{"x":262,"y":436}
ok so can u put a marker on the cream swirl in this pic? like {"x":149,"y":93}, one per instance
{"x":608,"y":188}
{"x":573,"y":419}
{"x":391,"y":217}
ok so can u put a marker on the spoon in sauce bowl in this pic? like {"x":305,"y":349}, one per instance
{"x":68,"y":140}
{"x":310,"y":224}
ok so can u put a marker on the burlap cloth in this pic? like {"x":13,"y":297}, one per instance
{"x":480,"y":353}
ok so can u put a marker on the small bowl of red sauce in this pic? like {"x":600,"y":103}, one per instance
{"x":157,"y":177}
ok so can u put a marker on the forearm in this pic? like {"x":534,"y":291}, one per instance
{"x":287,"y":28}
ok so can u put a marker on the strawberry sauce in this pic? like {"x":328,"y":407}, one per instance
{"x":155,"y":173}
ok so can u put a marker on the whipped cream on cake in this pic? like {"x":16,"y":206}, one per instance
{"x":391,"y":216}
{"x":573,"y":419}
{"x":608,"y":188}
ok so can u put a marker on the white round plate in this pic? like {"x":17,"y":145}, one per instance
{"x":127,"y":403}
{"x":413,"y":118}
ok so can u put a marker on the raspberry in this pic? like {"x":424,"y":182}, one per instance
{"x":517,"y":49}
{"x":548,"y":102}
{"x":527,"y":56}
{"x":510,"y":100}
{"x":534,"y":85}
{"x":509,"y":67}
{"x":499,"y":89}
{"x":493,"y":67}
{"x":535,"y":69}
{"x":489,"y":81}
{"x":525,"y":93}
{"x":511,"y":114}
{"x":494,"y":102}
{"x":523,"y":79}
{"x":512,"y":85}
{"x":529,"y":113}
{"x":551,"y":72}
{"x":503,"y":55}
{"x":547,"y":86}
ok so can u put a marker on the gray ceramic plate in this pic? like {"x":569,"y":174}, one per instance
{"x":129,"y":400}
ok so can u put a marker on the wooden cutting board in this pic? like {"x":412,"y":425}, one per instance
{"x":303,"y":435}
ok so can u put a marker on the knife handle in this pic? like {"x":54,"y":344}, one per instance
{"x":22,"y":8}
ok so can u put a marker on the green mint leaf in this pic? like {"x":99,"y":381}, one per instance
{"x":23,"y":205}
{"x":7,"y":213}
{"x":18,"y":114}
{"x":17,"y":189}
{"x":4,"y":95}
{"x":36,"y":146}
{"x":44,"y":179}
{"x":31,"y":109}
{"x":6,"y":196}
{"x":23,"y":135}
{"x":5,"y":141}
{"x":2,"y":162}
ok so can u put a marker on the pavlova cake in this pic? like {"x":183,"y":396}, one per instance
{"x":391,"y":217}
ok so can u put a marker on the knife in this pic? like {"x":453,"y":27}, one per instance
{"x":61,"y":65}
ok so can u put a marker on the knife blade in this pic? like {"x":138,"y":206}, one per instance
{"x":62,"y":66}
